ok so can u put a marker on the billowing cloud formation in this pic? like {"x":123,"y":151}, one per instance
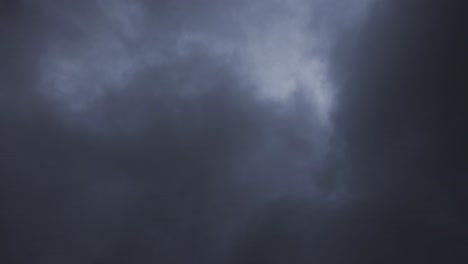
{"x":275,"y":44}
{"x":232,"y":132}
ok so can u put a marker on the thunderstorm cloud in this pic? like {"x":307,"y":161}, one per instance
{"x":218,"y":131}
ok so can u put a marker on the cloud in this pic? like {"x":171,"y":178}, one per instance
{"x":134,"y":132}
{"x":231,"y":132}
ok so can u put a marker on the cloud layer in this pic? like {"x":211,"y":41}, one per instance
{"x":232,"y":132}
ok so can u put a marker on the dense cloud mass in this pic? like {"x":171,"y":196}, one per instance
{"x":216,"y":131}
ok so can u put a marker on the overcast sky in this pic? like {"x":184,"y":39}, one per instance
{"x":219,"y":131}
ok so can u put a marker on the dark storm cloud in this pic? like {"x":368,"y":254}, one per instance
{"x":401,"y":116}
{"x":130,"y":135}
{"x":139,"y":132}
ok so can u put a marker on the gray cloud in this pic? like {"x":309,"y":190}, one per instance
{"x":230,"y":132}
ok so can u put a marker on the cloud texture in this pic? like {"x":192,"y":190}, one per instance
{"x":232,"y":132}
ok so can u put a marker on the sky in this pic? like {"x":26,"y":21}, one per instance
{"x":217,"y":131}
